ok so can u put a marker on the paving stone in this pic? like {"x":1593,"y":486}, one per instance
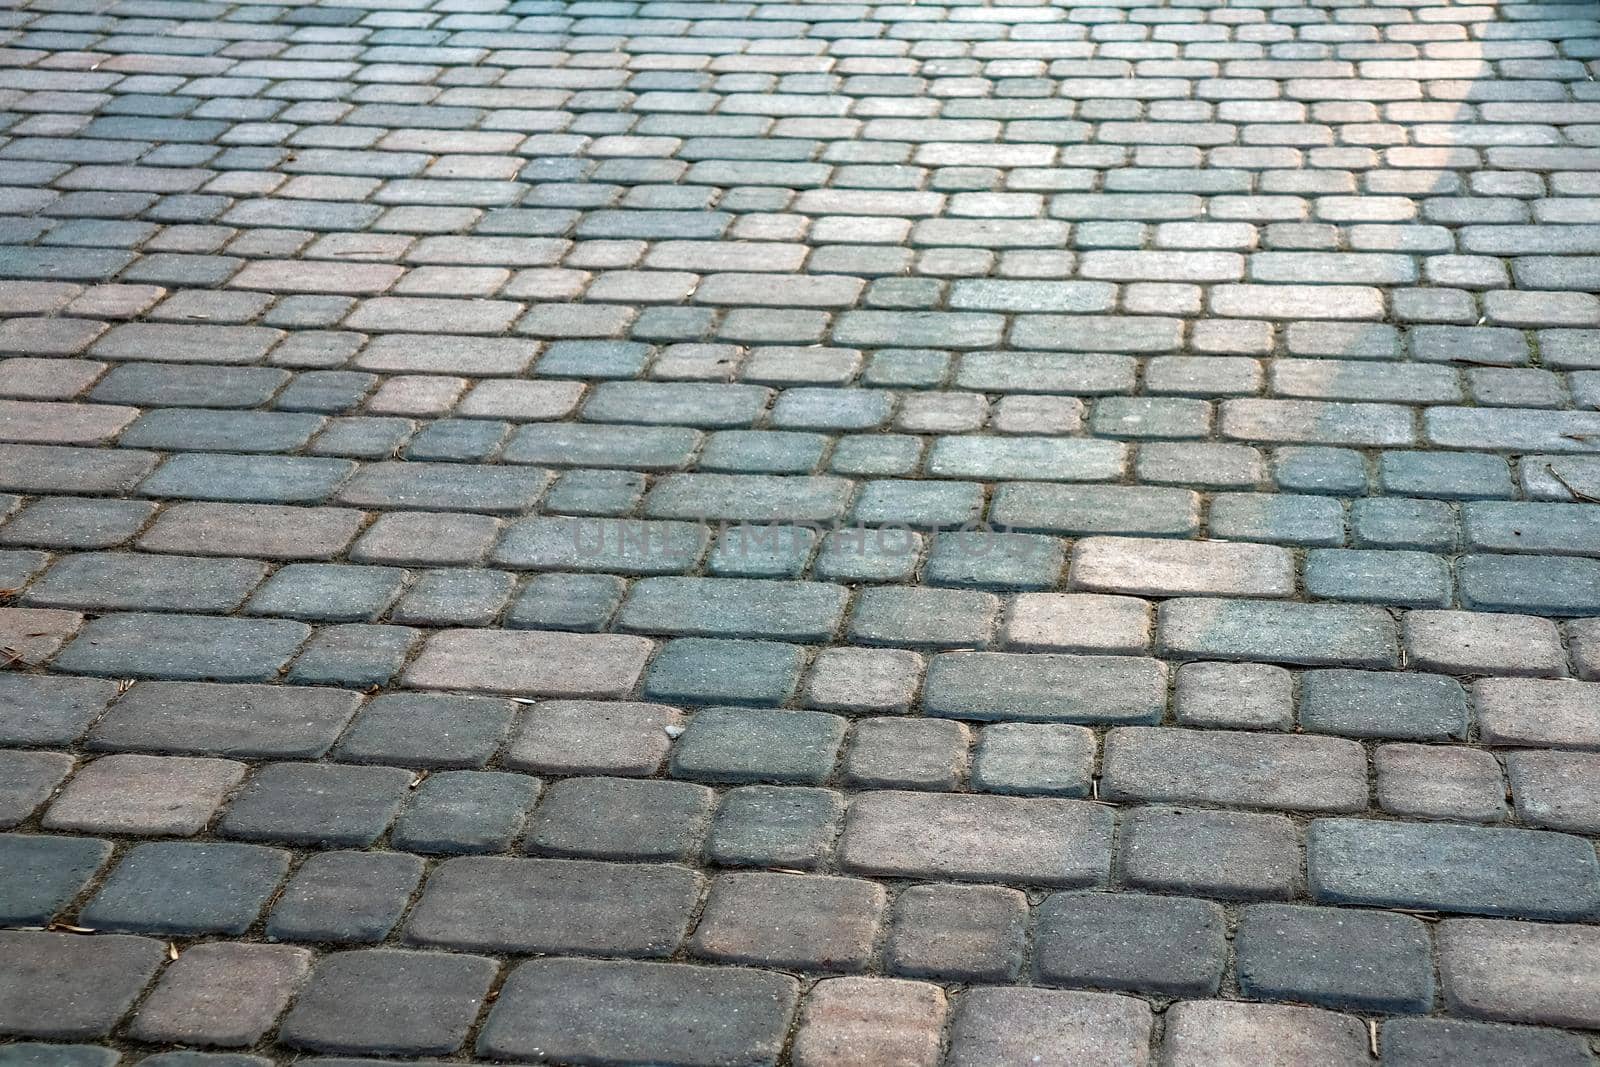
{"x":1411,"y":579}
{"x":1462,"y":642}
{"x":860,"y":679}
{"x":1029,"y":839}
{"x":426,"y":730}
{"x":68,"y":987}
{"x":39,"y":1054}
{"x":1355,"y":960}
{"x":1473,"y":869}
{"x":355,"y":655}
{"x":863,"y":1021}
{"x":1222,"y":1034}
{"x":224,"y":720}
{"x":1439,"y":782}
{"x":530,"y":663}
{"x":619,"y":818}
{"x":1025,"y":758}
{"x":555,"y":906}
{"x":1311,"y":634}
{"x":753,"y":744}
{"x":1166,"y":945}
{"x":613,"y":1011}
{"x":1016,"y":1026}
{"x":41,"y":875}
{"x":30,"y":778}
{"x":592,"y":737}
{"x":125,"y":581}
{"x":733,"y":607}
{"x":1148,"y":566}
{"x":183,"y":646}
{"x":958,"y":932}
{"x":465,"y":811}
{"x":774,"y":826}
{"x":1220,"y":854}
{"x":703,"y":671}
{"x":263,"y":531}
{"x":316,"y":804}
{"x":1045,"y":688}
{"x":389,"y":1001}
{"x":345,"y":897}
{"x":1551,"y":789}
{"x":1535,"y":712}
{"x":582,"y":602}
{"x":1424,"y":1042}
{"x":1372,"y":704}
{"x":221,"y":994}
{"x":144,"y":795}
{"x":1238,"y":695}
{"x":1260,"y":770}
{"x":187,"y":889}
{"x":807,"y":922}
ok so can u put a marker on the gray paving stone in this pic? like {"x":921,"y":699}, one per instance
{"x":316,"y":804}
{"x":704,"y":671}
{"x":555,"y":906}
{"x":614,"y":1011}
{"x":1372,"y":704}
{"x":72,"y":988}
{"x":225,"y":720}
{"x":1013,"y":1026}
{"x":958,"y":932}
{"x":773,"y":826}
{"x":1219,"y":854}
{"x":1425,"y":1042}
{"x":1354,"y":960}
{"x":1258,"y":770}
{"x":426,"y":730}
{"x":1045,"y":688}
{"x":29,"y":780}
{"x":345,"y":897}
{"x":1472,"y":869}
{"x":1117,"y":941}
{"x":39,"y":1054}
{"x":183,"y":646}
{"x":389,"y":1001}
{"x":753,"y":744}
{"x":1311,"y":634}
{"x":41,"y":875}
{"x":187,"y":889}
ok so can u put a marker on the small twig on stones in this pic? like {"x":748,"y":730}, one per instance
{"x":1568,"y":486}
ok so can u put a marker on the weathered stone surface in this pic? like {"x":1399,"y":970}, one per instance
{"x":1473,"y":869}
{"x":921,"y":835}
{"x":530,"y":663}
{"x":615,"y":1012}
{"x":1045,"y":688}
{"x":1265,"y":770}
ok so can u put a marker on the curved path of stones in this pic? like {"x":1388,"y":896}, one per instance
{"x":968,"y":533}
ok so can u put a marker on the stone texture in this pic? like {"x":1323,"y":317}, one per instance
{"x":613,"y":1012}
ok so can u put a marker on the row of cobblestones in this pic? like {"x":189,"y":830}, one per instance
{"x":704,"y":532}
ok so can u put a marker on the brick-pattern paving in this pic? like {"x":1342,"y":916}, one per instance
{"x":970,"y":533}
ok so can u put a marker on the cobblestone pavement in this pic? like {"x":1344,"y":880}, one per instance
{"x":1179,"y":641}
